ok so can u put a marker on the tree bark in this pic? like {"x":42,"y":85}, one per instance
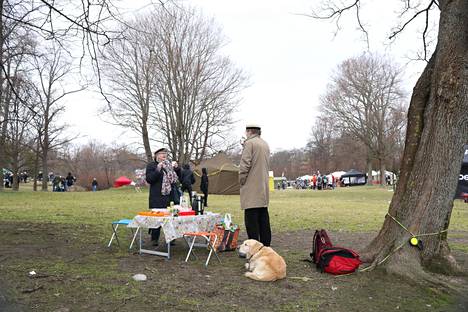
{"x":45,"y":171}
{"x":146,"y":142}
{"x":15,"y":186}
{"x":35,"y":173}
{"x":369,"y":168}
{"x":437,"y":125}
{"x":45,"y":155}
{"x":36,"y":164}
{"x":382,"y":172}
{"x":15,"y":168}
{"x":2,"y":100}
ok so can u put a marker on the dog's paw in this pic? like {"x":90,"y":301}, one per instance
{"x":252,"y":275}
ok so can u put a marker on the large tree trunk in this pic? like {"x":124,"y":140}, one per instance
{"x":15,"y":169}
{"x":36,"y":167}
{"x":437,"y":130}
{"x":45,"y":144}
{"x":382,"y":173}
{"x":2,"y":100}
{"x":369,"y":168}
{"x":146,"y":142}
{"x":45,"y":172}
{"x":5,"y":107}
{"x":15,"y":186}
{"x":44,"y":158}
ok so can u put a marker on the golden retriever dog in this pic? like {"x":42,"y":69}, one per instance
{"x":264,"y":264}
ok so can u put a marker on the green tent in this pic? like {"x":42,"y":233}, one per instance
{"x":223,"y":175}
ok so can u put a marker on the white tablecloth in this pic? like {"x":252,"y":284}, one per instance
{"x":175,"y":227}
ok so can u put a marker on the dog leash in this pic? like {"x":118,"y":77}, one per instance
{"x":255,"y":253}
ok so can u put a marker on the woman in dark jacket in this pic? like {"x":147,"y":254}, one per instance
{"x":204,"y":186}
{"x":162,"y":190}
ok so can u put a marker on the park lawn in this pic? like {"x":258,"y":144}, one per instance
{"x":358,"y":209}
{"x":63,"y":236}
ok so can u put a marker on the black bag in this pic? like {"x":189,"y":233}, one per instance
{"x":175,"y":195}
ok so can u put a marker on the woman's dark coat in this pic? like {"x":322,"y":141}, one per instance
{"x":154,"y":177}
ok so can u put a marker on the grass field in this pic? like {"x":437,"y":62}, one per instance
{"x":63,"y":237}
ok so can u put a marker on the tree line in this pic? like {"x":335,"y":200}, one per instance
{"x":361,"y":122}
{"x":162,"y":75}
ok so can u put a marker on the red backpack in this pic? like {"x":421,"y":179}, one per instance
{"x":333,"y":260}
{"x":321,"y":241}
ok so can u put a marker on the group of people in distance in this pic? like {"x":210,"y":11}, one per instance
{"x":8,"y":179}
{"x":318,"y":182}
{"x":163,"y":176}
{"x":63,"y":184}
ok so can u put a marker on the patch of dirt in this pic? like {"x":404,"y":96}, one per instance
{"x":174,"y":285}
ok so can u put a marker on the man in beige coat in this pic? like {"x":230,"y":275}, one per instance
{"x":254,"y":190}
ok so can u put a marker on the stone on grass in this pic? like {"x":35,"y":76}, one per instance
{"x":140,"y":277}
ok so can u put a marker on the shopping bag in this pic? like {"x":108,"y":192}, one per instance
{"x":227,"y":238}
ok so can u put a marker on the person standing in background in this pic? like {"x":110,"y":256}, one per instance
{"x":204,"y":186}
{"x":254,"y":188}
{"x":94,"y":185}
{"x":70,"y":181}
{"x":187,"y":179}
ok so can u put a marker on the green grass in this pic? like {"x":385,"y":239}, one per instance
{"x":358,"y":209}
{"x":63,"y":235}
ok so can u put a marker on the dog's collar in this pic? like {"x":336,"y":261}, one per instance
{"x":255,"y":253}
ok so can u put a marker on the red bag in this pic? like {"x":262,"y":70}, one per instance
{"x":338,"y":260}
{"x":333,"y":260}
{"x":321,"y":241}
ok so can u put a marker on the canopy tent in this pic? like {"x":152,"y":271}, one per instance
{"x":353,"y":177}
{"x":122,"y":181}
{"x":376,"y":176}
{"x":463,"y":178}
{"x":338,"y":174}
{"x":223,"y":175}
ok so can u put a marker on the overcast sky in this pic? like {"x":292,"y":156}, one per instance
{"x":289,"y":58}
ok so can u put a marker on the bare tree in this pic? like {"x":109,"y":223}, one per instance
{"x":130,"y":80}
{"x":320,"y":146}
{"x":437,"y":125}
{"x":100,"y":161}
{"x":196,"y":87}
{"x":168,"y":83}
{"x":363,"y":97}
{"x":52,"y":70}
{"x":20,"y":132}
{"x":85,"y":22}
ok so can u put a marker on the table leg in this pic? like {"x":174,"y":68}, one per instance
{"x":140,"y":242}
{"x":169,"y":251}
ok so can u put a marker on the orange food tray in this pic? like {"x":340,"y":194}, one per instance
{"x":153,"y":214}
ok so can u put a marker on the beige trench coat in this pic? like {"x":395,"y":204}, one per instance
{"x":253,"y":173}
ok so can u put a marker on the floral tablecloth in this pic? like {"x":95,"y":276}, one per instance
{"x":175,"y":227}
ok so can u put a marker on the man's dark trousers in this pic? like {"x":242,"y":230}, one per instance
{"x":257,"y":224}
{"x":188,"y":188}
